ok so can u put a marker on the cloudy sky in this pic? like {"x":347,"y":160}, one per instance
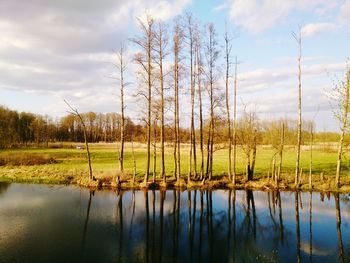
{"x":51,"y":50}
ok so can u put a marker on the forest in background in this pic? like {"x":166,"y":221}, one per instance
{"x":20,"y":129}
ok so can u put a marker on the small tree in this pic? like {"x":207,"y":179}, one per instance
{"x":341,"y":94}
{"x":76,"y":113}
{"x":247,"y":133}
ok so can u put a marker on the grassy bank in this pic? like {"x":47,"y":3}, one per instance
{"x":68,"y":165}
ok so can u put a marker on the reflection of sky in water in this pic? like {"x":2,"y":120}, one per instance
{"x":41,"y":223}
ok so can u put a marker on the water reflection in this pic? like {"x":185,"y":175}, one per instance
{"x":172,"y":226}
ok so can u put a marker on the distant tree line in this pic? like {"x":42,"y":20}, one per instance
{"x":24,"y":128}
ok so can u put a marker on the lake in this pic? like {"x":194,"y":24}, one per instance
{"x":43,"y":223}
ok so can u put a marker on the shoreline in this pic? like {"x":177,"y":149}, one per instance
{"x":259,"y":184}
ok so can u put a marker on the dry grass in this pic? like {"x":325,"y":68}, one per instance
{"x":25,"y":159}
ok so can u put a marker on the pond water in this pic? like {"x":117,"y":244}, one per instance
{"x":41,"y":223}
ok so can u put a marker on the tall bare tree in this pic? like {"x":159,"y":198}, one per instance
{"x":161,"y":42}
{"x":298,"y":38}
{"x":228,"y":48}
{"x":177,"y":45}
{"x":191,"y":44}
{"x":76,"y":113}
{"x":235,"y":124}
{"x":121,"y":65}
{"x":212,"y":54}
{"x":144,"y":59}
{"x":199,"y":91}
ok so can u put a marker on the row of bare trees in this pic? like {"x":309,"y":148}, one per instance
{"x":191,"y":56}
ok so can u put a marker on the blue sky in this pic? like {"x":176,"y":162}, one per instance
{"x":51,"y":50}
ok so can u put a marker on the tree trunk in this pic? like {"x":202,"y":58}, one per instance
{"x":227,"y":57}
{"x":297,"y":165}
{"x":254,"y":155}
{"x":311,"y":144}
{"x":235,"y":125}
{"x":122,"y":124}
{"x":344,"y":120}
{"x":134,"y":160}
{"x":176,"y":88}
{"x":162,"y":103}
{"x":87,"y":148}
{"x":154,"y":150}
{"x":281,"y":153}
{"x":199,"y":73}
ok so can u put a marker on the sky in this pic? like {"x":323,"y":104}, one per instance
{"x":54,"y":50}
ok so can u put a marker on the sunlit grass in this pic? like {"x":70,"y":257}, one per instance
{"x":71,"y":163}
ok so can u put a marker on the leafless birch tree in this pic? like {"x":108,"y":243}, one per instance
{"x":199,"y":74}
{"x":212,"y":54}
{"x":161,"y":42}
{"x":191,"y":43}
{"x":298,"y":38}
{"x":177,"y":44}
{"x":121,"y":65}
{"x":144,"y":59}
{"x":228,"y":48}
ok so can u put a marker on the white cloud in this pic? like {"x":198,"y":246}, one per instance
{"x":164,"y":10}
{"x":66,"y":49}
{"x":344,"y":14}
{"x":259,"y":15}
{"x":220,"y":7}
{"x":317,"y":28}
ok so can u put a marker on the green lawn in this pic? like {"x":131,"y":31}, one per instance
{"x":72,"y":163}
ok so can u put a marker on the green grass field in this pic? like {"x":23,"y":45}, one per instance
{"x":71,"y":164}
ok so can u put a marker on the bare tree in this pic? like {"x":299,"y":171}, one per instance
{"x":121,"y":67}
{"x":199,"y":91}
{"x":228,"y":48}
{"x":298,"y":38}
{"x":144,"y":59}
{"x":76,"y":113}
{"x":191,"y":43}
{"x":235,"y":124}
{"x":274,"y":133}
{"x":211,"y":56}
{"x":161,"y":42}
{"x":177,"y":44}
{"x":248,"y":136}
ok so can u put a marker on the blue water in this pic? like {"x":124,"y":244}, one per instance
{"x":41,"y":223}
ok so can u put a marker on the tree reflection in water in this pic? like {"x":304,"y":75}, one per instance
{"x":215,"y":226}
